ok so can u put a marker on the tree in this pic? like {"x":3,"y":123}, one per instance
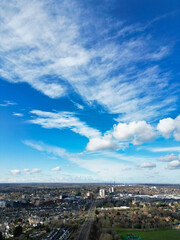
{"x":105,"y":236}
{"x":17,"y":231}
{"x":1,"y":236}
{"x":48,"y":229}
{"x":96,"y":212}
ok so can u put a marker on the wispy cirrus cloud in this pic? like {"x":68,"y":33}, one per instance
{"x":31,"y":171}
{"x":165,"y":149}
{"x":49,"y":49}
{"x":7,"y":103}
{"x":62,"y":120}
{"x":104,"y":165}
{"x":18,"y":114}
{"x":61,"y":152}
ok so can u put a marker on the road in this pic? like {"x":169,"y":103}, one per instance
{"x":87,"y":224}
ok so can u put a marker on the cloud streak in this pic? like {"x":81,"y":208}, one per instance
{"x":7,"y":103}
{"x":18,"y":114}
{"x":62,"y":120}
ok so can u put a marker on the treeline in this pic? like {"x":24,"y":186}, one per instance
{"x":98,"y":232}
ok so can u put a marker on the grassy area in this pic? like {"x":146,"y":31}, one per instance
{"x":153,"y":235}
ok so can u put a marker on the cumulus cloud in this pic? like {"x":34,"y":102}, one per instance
{"x":147,"y":165}
{"x":58,"y":168}
{"x":35,"y":170}
{"x":169,"y":126}
{"x":62,"y":120}
{"x":102,"y":143}
{"x":168,"y":158}
{"x":15,"y":171}
{"x":136,"y":132}
{"x":174,"y":165}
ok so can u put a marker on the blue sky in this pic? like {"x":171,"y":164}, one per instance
{"x":89,"y":91}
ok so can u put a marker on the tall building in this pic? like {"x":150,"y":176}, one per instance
{"x":2,"y":204}
{"x":102,"y":192}
{"x":90,"y":195}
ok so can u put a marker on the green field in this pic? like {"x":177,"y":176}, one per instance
{"x":153,"y":235}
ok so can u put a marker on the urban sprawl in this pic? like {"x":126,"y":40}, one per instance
{"x":86,"y":211}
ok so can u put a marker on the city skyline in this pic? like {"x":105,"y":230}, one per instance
{"x":90,"y":91}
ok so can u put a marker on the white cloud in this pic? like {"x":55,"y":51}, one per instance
{"x":102,"y":143}
{"x":79,"y":106}
{"x":105,"y":166}
{"x":161,"y":53}
{"x":174,"y":165}
{"x":147,"y":165}
{"x":18,"y":114}
{"x":137,"y":132}
{"x":165,"y":149}
{"x":56,"y":169}
{"x":15,"y":171}
{"x":52,"y":90}
{"x":33,"y":145}
{"x":45,"y":45}
{"x":31,"y":171}
{"x":167,"y":126}
{"x":168,"y":158}
{"x":62,"y":120}
{"x":7,"y":103}
{"x":61,"y":152}
{"x":35,"y":170}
